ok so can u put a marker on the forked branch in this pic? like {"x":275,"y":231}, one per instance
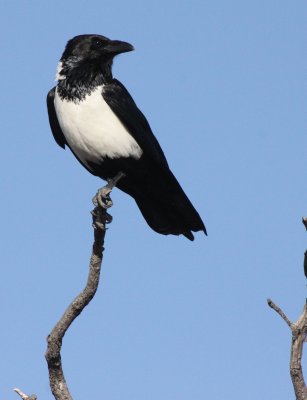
{"x":299,"y":332}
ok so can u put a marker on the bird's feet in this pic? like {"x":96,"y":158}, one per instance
{"x":102,"y":198}
{"x":102,"y":201}
{"x":100,"y":219}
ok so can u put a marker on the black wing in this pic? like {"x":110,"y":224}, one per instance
{"x":123,"y":105}
{"x":53,"y":120}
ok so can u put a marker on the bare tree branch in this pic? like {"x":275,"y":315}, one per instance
{"x":299,"y":334}
{"x":299,"y":330}
{"x":24,"y":396}
{"x":58,"y":384}
{"x":280,"y":312}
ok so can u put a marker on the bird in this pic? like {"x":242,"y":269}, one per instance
{"x":94,"y":115}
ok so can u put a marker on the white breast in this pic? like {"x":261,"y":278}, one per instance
{"x":93,"y":131}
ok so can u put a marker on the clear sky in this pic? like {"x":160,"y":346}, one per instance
{"x":223,"y":85}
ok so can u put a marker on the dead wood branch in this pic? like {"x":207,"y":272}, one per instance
{"x":299,"y":332}
{"x":25,"y":396}
{"x":102,"y":202}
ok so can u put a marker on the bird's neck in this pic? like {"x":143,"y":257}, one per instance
{"x":74,"y":84}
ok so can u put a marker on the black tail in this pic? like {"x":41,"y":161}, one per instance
{"x":164,"y":205}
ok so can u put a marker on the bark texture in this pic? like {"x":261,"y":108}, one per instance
{"x":299,"y":333}
{"x":299,"y":330}
{"x":57,"y":380}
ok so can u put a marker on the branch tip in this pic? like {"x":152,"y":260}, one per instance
{"x":280,"y":312}
{"x":24,"y":396}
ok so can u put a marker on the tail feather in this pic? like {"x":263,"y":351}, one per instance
{"x":175,"y":219}
{"x":164,"y":205}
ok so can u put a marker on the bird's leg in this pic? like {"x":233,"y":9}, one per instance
{"x":102,"y":198}
{"x":113,"y":182}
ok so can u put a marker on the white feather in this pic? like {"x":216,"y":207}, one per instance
{"x":93,"y":131}
{"x":59,"y":76}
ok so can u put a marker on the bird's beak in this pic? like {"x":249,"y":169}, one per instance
{"x":116,"y":47}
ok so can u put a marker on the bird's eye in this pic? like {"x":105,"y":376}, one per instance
{"x":97,"y":43}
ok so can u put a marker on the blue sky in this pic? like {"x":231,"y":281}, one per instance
{"x":223,"y":85}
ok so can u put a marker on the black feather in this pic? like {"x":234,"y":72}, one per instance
{"x":148,"y":179}
{"x":53,"y":120}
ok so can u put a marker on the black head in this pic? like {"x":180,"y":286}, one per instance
{"x":90,"y":52}
{"x":94,"y":47}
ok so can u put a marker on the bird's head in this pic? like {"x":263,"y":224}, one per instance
{"x":90,"y":51}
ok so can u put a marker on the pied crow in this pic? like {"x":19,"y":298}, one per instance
{"x":94,"y":115}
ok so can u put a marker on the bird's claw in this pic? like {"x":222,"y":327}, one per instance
{"x":100,"y":220}
{"x":102,"y":198}
{"x":102,"y":201}
{"x":109,"y":218}
{"x":98,"y":225}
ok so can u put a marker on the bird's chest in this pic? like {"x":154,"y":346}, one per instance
{"x":93,"y":131}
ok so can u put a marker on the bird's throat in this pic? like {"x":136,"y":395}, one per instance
{"x":74,"y":84}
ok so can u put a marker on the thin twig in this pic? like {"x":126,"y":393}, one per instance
{"x":25,"y":396}
{"x":58,"y":384}
{"x":280,"y":312}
